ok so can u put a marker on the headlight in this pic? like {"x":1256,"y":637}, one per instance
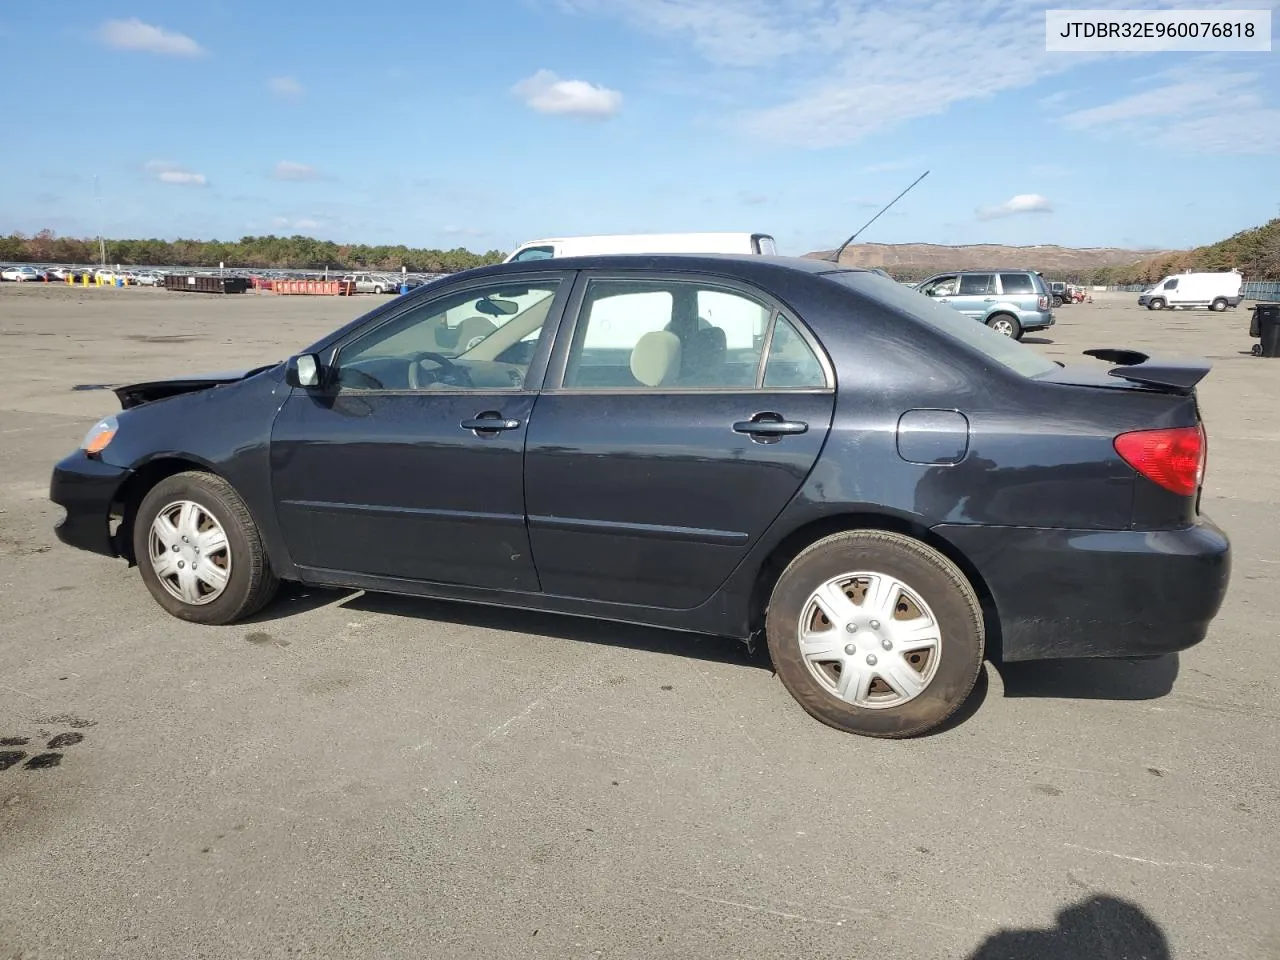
{"x":101,"y":434}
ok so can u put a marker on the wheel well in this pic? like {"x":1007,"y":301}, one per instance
{"x":803,"y":537}
{"x":130,"y":495}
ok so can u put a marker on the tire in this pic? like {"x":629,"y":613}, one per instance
{"x":250,"y":583}
{"x":1057,"y":301}
{"x":1005,"y":323}
{"x":1156,"y":304}
{"x":948,"y":671}
{"x":1218,"y":305}
{"x":377,"y":290}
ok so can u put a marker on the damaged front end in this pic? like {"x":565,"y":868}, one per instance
{"x":136,"y":394}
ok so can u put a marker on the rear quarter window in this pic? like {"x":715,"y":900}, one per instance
{"x":1013,"y":283}
{"x":1006,"y":351}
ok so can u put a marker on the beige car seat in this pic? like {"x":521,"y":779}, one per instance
{"x":655,"y":359}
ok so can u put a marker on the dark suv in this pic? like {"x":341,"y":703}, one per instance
{"x":1011,"y":302}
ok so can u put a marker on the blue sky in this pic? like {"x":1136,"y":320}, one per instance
{"x":486,"y":123}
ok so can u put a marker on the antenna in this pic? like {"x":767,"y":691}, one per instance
{"x":835,"y":257}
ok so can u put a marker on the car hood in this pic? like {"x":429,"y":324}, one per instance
{"x":148,"y":391}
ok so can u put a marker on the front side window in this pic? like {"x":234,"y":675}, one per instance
{"x":940,"y":286}
{"x":659,"y":334}
{"x":480,"y":339}
{"x":977,"y":284}
{"x":1171,"y":285}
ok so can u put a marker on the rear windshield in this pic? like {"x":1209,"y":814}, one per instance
{"x":1011,"y":353}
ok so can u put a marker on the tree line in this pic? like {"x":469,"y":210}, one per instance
{"x":269,"y":252}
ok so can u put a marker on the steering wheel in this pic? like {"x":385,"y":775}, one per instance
{"x":450,"y":372}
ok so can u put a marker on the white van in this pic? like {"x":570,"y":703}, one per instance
{"x":1217,"y":291}
{"x":756,"y":243}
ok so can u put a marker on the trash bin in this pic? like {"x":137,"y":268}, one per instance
{"x":1266,"y":316}
{"x":404,"y":288}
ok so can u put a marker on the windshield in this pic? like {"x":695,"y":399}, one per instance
{"x":1006,"y":351}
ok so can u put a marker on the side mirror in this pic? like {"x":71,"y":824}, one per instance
{"x":303,"y":371}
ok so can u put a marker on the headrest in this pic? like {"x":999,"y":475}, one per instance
{"x":655,"y":361}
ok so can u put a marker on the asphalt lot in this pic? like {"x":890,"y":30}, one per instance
{"x":358,"y":776}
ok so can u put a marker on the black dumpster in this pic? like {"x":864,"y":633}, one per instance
{"x":1265,"y":325}
{"x":203,"y":284}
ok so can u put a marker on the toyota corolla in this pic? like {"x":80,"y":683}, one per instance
{"x":744,"y":446}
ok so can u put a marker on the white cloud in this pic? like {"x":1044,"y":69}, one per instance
{"x":834,"y":71}
{"x":133,"y":34}
{"x":547,"y":93}
{"x":285,"y":87}
{"x":288,"y":170}
{"x":1021,"y":203}
{"x":167,"y":172}
{"x":466,"y":231}
{"x":1194,"y":108}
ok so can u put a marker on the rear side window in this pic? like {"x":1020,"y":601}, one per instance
{"x":1006,"y":351}
{"x":977,"y":284}
{"x":1017,"y":283}
{"x":534,"y":253}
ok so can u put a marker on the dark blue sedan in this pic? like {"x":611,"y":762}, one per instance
{"x":734,"y":445}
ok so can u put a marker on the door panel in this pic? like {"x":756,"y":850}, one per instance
{"x":654,"y":500}
{"x":393,"y":485}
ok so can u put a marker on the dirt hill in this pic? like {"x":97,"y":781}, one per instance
{"x":916,"y":260}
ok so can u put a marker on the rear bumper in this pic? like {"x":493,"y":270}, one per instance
{"x":1098,"y":593}
{"x":1037,"y":321}
{"x":85,"y":488}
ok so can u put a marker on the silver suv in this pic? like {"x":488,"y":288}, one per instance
{"x":1012,"y":302}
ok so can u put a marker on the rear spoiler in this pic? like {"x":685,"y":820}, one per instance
{"x":1173,"y":376}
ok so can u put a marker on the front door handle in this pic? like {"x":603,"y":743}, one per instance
{"x":769,"y":427}
{"x":989,"y":300}
{"x":489,"y":421}
{"x":944,"y":300}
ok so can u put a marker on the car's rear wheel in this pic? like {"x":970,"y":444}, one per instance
{"x":1218,"y":305}
{"x":1156,"y":304}
{"x":1057,"y":300}
{"x":199,"y":551}
{"x":1007,"y":324}
{"x":875,"y":633}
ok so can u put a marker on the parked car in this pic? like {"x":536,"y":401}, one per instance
{"x":1010,"y":302}
{"x":1058,"y":291}
{"x":884,"y":490}
{"x":372,"y":283}
{"x":20,"y":274}
{"x":757,"y":243}
{"x":1216,"y":291}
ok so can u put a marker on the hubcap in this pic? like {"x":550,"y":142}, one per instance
{"x":1003,"y":326}
{"x":897,"y":646}
{"x":189,"y":552}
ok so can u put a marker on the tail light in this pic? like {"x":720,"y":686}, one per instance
{"x":1044,"y":303}
{"x":1173,"y":458}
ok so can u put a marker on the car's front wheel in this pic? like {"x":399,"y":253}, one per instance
{"x":199,"y":551}
{"x":1156,"y":304}
{"x":1006,"y":324}
{"x":875,"y":633}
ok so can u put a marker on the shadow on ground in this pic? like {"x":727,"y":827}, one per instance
{"x":1100,"y":926}
{"x":1041,"y":340}
{"x":1094,"y":679}
{"x":536,"y":623}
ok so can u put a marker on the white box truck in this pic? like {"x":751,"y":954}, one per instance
{"x":1216,"y":291}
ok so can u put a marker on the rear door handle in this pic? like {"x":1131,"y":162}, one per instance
{"x":489,"y":421}
{"x":770,"y":426}
{"x":989,"y":300}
